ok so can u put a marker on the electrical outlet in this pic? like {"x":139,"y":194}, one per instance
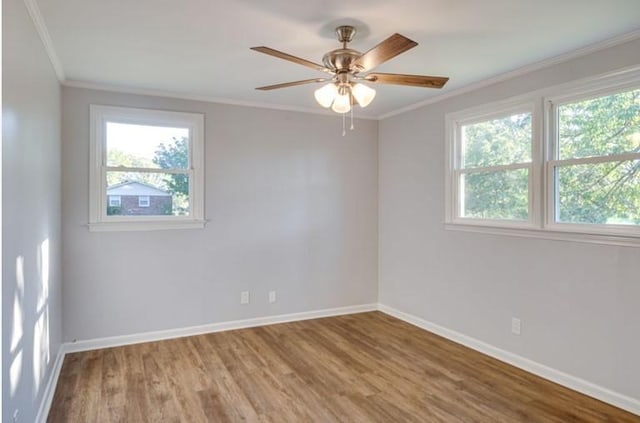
{"x":272,"y":296}
{"x":515,"y":326}
{"x":244,"y":297}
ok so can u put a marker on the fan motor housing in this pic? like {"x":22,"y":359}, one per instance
{"x":341,"y":59}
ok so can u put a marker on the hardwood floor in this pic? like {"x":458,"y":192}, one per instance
{"x":365,"y":367}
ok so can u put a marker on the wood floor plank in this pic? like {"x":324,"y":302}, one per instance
{"x":366,"y":367}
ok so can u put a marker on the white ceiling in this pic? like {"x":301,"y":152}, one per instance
{"x":201,"y":47}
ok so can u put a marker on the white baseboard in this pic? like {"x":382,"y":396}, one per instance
{"x":115,"y":341}
{"x":50,"y":389}
{"x":603,"y":394}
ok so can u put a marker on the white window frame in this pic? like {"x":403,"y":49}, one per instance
{"x":454,"y":170}
{"x":544,"y":160}
{"x":98,"y":218}
{"x":145,"y":203}
{"x":576,"y":93}
{"x":117,"y":203}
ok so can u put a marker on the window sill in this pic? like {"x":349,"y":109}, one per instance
{"x":551,"y":234}
{"x":146,"y":225}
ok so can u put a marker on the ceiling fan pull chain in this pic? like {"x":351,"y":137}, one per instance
{"x":344,"y":131}
{"x":351,"y":119}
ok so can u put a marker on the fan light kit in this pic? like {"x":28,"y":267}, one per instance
{"x":346,"y":86}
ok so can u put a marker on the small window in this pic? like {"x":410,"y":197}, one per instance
{"x":595,"y":163}
{"x":139,"y":154}
{"x":114,"y":201}
{"x":491,"y":166}
{"x":143,"y":201}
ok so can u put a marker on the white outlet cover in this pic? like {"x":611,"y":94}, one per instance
{"x":272,"y":296}
{"x":515,"y":326}
{"x":244,"y":297}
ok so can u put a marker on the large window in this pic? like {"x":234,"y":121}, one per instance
{"x":151,"y":161}
{"x":581,"y":175}
{"x":595,"y":161}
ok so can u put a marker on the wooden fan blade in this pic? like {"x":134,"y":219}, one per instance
{"x":411,"y":80}
{"x":291,"y":84}
{"x":388,"y":49}
{"x":294,"y":59}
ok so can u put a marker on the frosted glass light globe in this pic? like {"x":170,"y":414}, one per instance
{"x":325,"y":95}
{"x":363,"y":94}
{"x":342,"y":103}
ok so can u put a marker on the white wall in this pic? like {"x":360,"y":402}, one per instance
{"x":579,"y":303}
{"x":31,"y":277}
{"x":292,"y":207}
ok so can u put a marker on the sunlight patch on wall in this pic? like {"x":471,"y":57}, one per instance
{"x":18,"y":313}
{"x":15,"y":372}
{"x":41,"y":353}
{"x":43,"y":268}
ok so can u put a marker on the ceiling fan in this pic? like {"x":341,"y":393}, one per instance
{"x":349,"y":69}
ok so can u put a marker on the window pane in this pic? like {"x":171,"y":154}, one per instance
{"x":148,"y":194}
{"x":497,"y":142}
{"x":495,"y":195}
{"x":600,"y":126}
{"x":604,"y":193}
{"x":147,"y":146}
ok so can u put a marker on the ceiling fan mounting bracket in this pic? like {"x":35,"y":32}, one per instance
{"x":345,"y":34}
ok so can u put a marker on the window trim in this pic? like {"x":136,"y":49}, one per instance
{"x":453,"y":171}
{"x":99,"y":116}
{"x":543,"y":163}
{"x":570,"y":93}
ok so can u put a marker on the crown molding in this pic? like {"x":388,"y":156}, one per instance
{"x":565,"y":57}
{"x":43,"y":32}
{"x":199,"y":97}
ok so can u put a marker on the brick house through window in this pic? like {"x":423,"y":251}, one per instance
{"x":134,"y":198}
